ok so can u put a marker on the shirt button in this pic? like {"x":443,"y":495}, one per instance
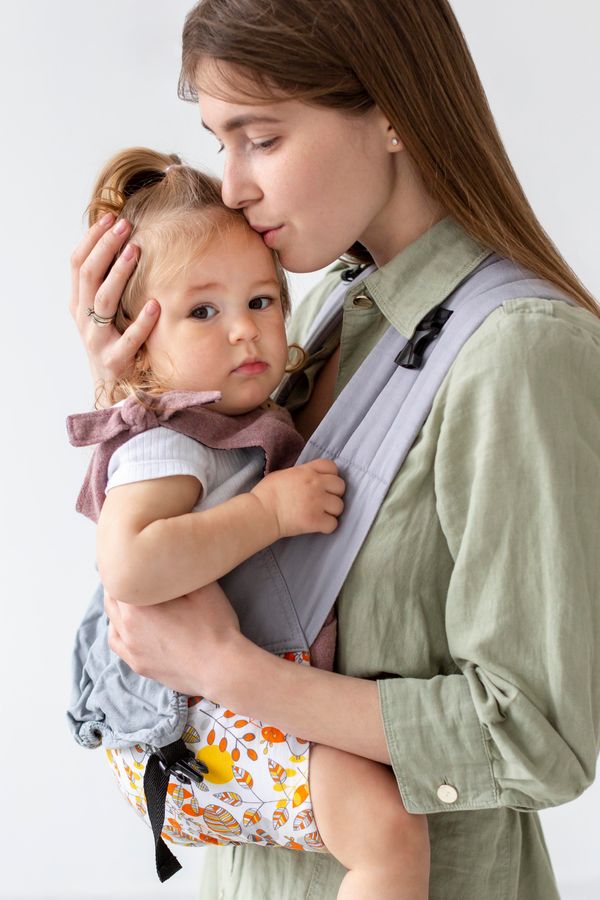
{"x":447,"y":794}
{"x":362,"y":301}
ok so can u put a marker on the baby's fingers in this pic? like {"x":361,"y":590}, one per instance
{"x":333,"y":484}
{"x":333,"y":505}
{"x":323,"y":466}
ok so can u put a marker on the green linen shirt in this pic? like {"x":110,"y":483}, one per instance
{"x":474,"y":601}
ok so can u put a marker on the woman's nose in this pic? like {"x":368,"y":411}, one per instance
{"x":238,"y":190}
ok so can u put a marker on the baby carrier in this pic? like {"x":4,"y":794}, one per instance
{"x":283,"y":594}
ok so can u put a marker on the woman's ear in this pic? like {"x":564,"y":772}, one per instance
{"x":395,"y":143}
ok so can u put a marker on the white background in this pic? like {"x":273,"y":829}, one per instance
{"x":80,"y":80}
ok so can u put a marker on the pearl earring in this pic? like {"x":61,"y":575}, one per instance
{"x":395,"y":141}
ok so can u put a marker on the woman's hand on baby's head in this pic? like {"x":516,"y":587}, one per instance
{"x":305,"y":499}
{"x":111,"y":354}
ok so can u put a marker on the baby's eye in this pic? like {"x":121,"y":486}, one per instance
{"x":259,"y":302}
{"x":203,"y":312}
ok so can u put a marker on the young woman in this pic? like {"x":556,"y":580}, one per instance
{"x":468,"y":625}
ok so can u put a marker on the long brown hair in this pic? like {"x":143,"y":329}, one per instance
{"x":174,"y":210}
{"x":410,"y":58}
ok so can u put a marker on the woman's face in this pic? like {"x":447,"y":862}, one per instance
{"x":315,"y":180}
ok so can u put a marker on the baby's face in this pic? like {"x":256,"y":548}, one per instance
{"x":221,"y":326}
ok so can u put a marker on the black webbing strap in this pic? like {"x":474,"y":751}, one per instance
{"x":177,"y":759}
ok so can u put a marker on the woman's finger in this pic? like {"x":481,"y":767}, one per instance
{"x":111,"y":289}
{"x":94,"y":268}
{"x":124,"y":349}
{"x":81,"y":253}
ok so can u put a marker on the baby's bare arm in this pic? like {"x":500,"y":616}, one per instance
{"x":152,"y":548}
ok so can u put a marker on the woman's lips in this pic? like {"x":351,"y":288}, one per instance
{"x":270,"y":236}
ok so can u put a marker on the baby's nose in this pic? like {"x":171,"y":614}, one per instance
{"x":244,"y":328}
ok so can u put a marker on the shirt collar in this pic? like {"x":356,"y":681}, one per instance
{"x":422,"y":275}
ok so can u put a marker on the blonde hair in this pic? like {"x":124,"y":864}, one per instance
{"x":411,"y":59}
{"x":175,"y":210}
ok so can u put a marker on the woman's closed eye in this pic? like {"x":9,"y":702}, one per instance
{"x":264,"y":145}
{"x":256,"y":145}
{"x":203,"y":311}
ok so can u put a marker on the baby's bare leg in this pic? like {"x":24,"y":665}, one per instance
{"x":360,"y":816}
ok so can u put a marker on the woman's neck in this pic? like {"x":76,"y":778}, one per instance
{"x":409,"y":213}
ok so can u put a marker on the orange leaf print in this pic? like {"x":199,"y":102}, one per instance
{"x":176,"y":790}
{"x":262,"y":836}
{"x":208,"y":839}
{"x":248,"y":736}
{"x":190,"y":735}
{"x":252,"y":754}
{"x":251,"y":817}
{"x":228,"y":714}
{"x":229,"y":797}
{"x":179,"y":794}
{"x":303,"y":820}
{"x":211,"y":736}
{"x":223,"y":745}
{"x":240,"y":723}
{"x":221,"y":821}
{"x":192,"y":808}
{"x":235,"y":754}
{"x":313,"y":840}
{"x":280,"y":817}
{"x":277,"y":772}
{"x":292,"y":845}
{"x":193,"y":701}
{"x":242,"y":777}
{"x":300,"y":795}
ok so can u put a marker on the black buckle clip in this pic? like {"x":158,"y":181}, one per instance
{"x":411,"y":355}
{"x":350,"y":274}
{"x":187,"y":768}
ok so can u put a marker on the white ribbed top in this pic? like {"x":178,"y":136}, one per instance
{"x":161,"y":452}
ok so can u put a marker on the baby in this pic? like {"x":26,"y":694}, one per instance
{"x":186,"y":504}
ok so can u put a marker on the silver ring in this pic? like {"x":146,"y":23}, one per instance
{"x":101,"y":321}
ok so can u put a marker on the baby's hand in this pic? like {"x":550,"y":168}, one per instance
{"x":305,"y":499}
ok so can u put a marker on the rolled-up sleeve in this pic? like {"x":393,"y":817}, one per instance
{"x":517,"y":484}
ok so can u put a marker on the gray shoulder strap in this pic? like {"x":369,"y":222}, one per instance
{"x":373,"y":424}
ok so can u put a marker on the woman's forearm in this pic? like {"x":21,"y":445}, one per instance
{"x":215,"y":660}
{"x":325,"y":707}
